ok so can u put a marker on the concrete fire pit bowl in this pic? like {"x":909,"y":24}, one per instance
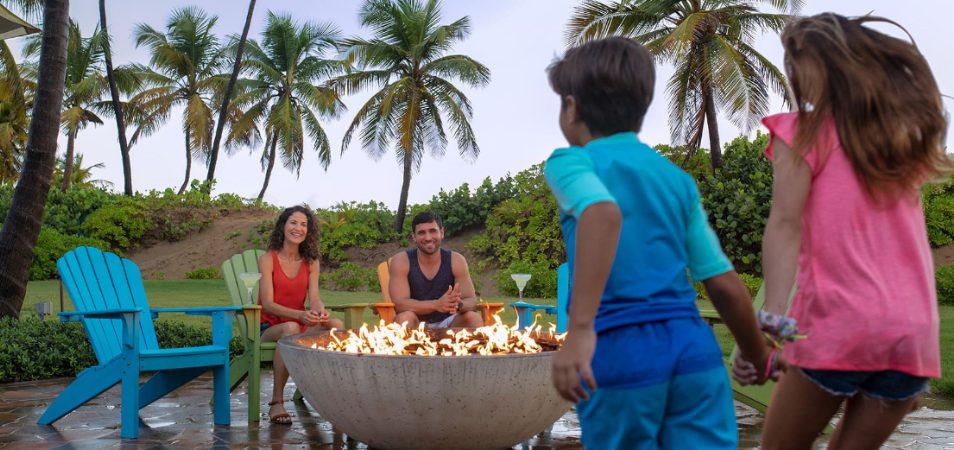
{"x":426,"y":402}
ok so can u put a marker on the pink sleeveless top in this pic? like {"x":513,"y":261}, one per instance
{"x":289,"y":292}
{"x":866,"y":298}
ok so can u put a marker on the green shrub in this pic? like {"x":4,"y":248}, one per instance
{"x":752,"y":282}
{"x":938,"y":202}
{"x":31,"y":349}
{"x":353,"y":224}
{"x":944,"y":279}
{"x":120,"y":225}
{"x":524,"y":228}
{"x":542,"y":284}
{"x":205,"y":273}
{"x":460,"y":209}
{"x":737,"y":198}
{"x":50,"y":246}
{"x":66,"y":211}
{"x":351,"y":277}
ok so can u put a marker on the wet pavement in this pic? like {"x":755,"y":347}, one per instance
{"x":183,"y":419}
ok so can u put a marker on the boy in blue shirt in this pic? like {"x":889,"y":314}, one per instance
{"x":634,"y":225}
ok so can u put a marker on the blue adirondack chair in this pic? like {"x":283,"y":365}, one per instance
{"x":525,"y":311}
{"x":110,"y":301}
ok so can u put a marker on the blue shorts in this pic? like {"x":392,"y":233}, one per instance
{"x":884,"y":385}
{"x":660,"y":385}
{"x":263,"y":327}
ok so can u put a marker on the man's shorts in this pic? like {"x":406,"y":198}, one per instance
{"x":660,"y":385}
{"x":443,"y":323}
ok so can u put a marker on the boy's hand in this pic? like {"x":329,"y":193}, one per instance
{"x":746,"y":373}
{"x":573,"y":362}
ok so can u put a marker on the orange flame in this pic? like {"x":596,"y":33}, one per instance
{"x":398,"y":339}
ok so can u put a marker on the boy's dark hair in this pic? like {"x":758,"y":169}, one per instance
{"x":425,"y":217}
{"x":612,"y":81}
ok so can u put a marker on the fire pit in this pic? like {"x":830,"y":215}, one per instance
{"x":477,"y":401}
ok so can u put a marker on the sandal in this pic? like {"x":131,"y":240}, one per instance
{"x":282,"y":418}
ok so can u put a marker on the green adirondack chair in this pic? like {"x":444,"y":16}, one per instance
{"x":109,"y":298}
{"x":249,"y":362}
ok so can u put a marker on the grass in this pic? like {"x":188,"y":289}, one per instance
{"x":185,"y":293}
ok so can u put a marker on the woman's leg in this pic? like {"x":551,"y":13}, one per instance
{"x":273,"y":334}
{"x":868,"y":422}
{"x":798,"y":412}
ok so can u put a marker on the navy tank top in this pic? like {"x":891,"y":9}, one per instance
{"x":430,"y":289}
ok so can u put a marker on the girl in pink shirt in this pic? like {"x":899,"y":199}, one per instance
{"x":846,"y":217}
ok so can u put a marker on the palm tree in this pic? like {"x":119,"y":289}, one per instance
{"x":116,"y":104}
{"x":22,"y":224}
{"x":16,"y":97}
{"x":229,"y":91}
{"x":82,"y":175}
{"x":406,"y":58}
{"x":284,"y":95}
{"x":710,"y":45}
{"x":185,"y":64}
{"x":85,"y":85}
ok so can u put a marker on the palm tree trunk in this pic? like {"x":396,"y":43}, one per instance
{"x":715,"y":150}
{"x":117,"y":106}
{"x":405,"y":187}
{"x":223,"y":112}
{"x":22,"y":224}
{"x":68,"y":160}
{"x":268,"y":170}
{"x":188,"y":147}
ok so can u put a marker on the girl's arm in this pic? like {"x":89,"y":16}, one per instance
{"x":783,"y":232}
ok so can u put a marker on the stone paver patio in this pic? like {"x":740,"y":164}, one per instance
{"x":184,"y":420}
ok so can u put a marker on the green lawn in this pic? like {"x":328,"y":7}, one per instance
{"x":168,"y":293}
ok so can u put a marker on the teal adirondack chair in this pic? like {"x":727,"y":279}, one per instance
{"x":109,"y":298}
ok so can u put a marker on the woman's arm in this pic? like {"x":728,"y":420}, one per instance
{"x":266,"y":290}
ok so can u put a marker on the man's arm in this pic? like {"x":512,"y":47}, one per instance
{"x":400,"y":290}
{"x":468,"y":295}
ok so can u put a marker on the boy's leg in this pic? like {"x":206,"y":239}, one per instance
{"x":623,"y":418}
{"x":798,"y":412}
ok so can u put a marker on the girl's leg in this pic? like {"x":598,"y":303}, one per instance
{"x":868,"y":422}
{"x":798,"y":412}
{"x":276,"y":406}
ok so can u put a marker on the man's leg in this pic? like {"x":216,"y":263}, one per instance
{"x":467,"y":319}
{"x":408,"y":317}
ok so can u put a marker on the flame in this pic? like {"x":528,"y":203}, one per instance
{"x":398,"y":339}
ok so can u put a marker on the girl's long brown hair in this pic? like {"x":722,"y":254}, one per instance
{"x":881,"y":94}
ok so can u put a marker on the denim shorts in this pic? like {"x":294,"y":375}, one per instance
{"x":884,"y":384}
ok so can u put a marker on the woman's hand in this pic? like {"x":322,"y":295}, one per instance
{"x":310,"y":318}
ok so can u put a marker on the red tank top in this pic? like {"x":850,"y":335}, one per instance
{"x":289,"y":292}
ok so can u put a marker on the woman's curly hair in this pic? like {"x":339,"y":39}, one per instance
{"x":309,"y":247}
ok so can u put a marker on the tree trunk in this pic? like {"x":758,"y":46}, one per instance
{"x":22,"y":225}
{"x":223,"y":112}
{"x":117,"y":106}
{"x":188,"y":146}
{"x":405,"y":187}
{"x":715,"y":149}
{"x":268,"y":170}
{"x":68,"y":160}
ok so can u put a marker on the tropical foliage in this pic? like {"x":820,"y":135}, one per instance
{"x":710,"y":44}
{"x":406,"y":58}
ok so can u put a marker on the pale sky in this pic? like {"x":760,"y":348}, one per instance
{"x":515,"y":116}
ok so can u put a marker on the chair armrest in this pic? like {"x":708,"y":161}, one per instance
{"x":346,"y":307}
{"x":74,"y":316}
{"x":201,"y":311}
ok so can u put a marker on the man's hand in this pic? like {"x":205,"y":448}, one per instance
{"x":573,"y":362}
{"x":449,"y":302}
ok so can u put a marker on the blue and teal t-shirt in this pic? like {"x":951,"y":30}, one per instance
{"x":664,"y":228}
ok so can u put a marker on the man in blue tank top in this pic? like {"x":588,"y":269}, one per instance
{"x":430,"y":284}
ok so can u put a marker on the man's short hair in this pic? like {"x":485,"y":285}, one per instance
{"x":612,"y":81}
{"x":425,"y":217}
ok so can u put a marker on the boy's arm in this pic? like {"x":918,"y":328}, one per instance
{"x":728,"y":294}
{"x":580,"y":193}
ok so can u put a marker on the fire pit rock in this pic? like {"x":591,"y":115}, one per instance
{"x":427,"y":402}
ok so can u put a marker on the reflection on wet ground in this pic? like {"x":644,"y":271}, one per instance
{"x":183,"y":420}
